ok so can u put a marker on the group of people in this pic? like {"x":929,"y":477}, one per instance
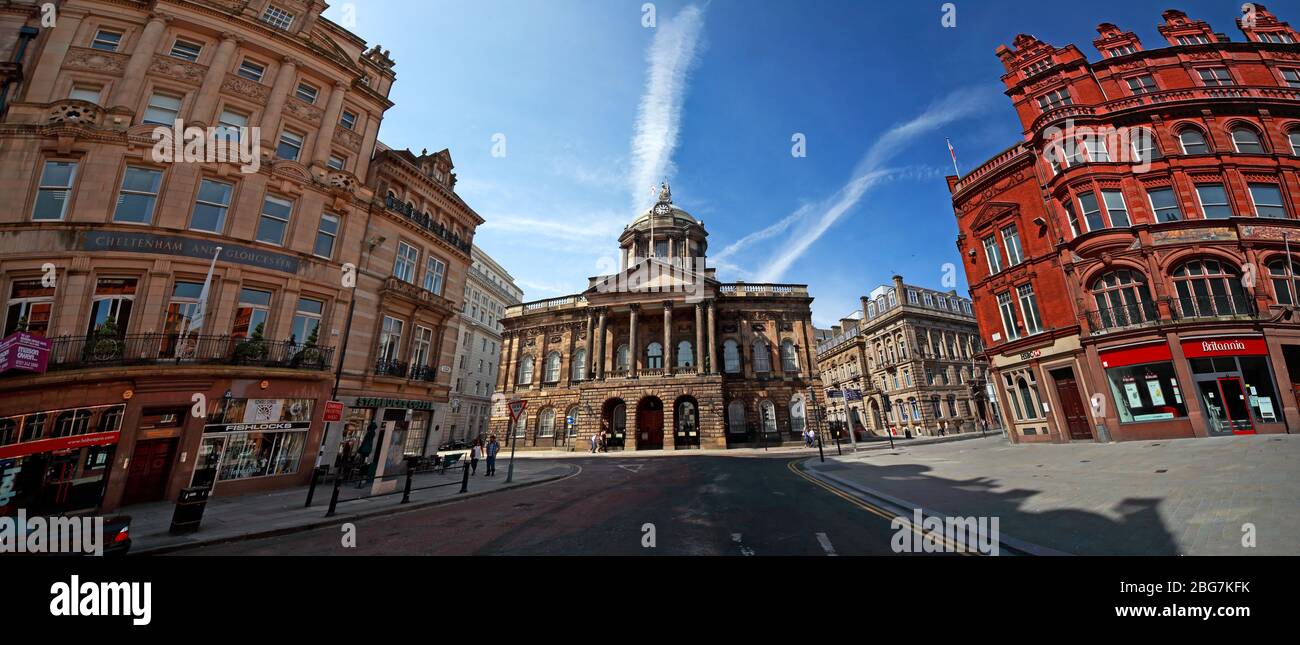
{"x":809,"y":438}
{"x":600,"y":442}
{"x":478,"y":450}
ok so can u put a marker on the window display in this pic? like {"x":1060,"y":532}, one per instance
{"x":1147,"y":392}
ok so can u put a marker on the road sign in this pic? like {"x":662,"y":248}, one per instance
{"x":333,"y":411}
{"x":517,"y":409}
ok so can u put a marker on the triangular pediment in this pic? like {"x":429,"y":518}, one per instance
{"x":992,"y":212}
{"x":653,"y":276}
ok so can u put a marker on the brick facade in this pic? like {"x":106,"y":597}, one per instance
{"x":1151,"y":201}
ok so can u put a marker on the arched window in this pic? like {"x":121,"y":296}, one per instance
{"x":521,"y":427}
{"x":789,"y":358}
{"x":1123,"y":299}
{"x":1144,"y":145}
{"x":736,"y":417}
{"x":552,"y":367}
{"x":1246,"y":140}
{"x":686,"y":417}
{"x":767,"y":413}
{"x":685,"y":357}
{"x":731,"y":357}
{"x":571,"y":421}
{"x":654,"y":356}
{"x":798,"y":417}
{"x":546,"y":423}
{"x":1208,"y":288}
{"x":578,"y":370}
{"x":1192,"y":141}
{"x":622,"y":359}
{"x":1285,"y":286}
{"x":762,"y":357}
{"x":618,"y":425}
{"x":526,"y":370}
{"x":1027,"y":400}
{"x":1294,"y":137}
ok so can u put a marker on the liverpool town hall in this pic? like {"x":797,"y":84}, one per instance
{"x":660,"y":355}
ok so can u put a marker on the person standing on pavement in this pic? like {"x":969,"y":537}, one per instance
{"x":492,"y":449}
{"x":475,"y":452}
{"x":595,"y":441}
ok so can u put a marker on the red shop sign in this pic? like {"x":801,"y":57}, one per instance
{"x":61,"y":443}
{"x":1225,"y":347}
{"x":1153,"y":353}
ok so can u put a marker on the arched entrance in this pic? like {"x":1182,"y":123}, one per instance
{"x":613,"y":420}
{"x":650,"y":424}
{"x":686,"y":423}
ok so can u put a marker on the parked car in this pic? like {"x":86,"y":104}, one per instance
{"x":453,"y":445}
{"x":117,"y":535}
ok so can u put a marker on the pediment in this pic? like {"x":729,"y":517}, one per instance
{"x":992,"y":212}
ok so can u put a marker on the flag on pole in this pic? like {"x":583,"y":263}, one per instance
{"x":952,"y":153}
{"x":202,"y":310}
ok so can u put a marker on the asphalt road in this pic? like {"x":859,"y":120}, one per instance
{"x":697,"y":505}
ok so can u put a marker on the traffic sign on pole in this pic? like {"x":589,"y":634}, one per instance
{"x":517,"y":409}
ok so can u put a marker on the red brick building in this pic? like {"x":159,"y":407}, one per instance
{"x":1128,"y":260}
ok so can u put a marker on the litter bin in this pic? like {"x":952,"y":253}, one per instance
{"x":189,"y":509}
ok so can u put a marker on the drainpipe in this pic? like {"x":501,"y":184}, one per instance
{"x":25,"y":36}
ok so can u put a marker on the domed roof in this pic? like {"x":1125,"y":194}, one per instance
{"x":663,"y":209}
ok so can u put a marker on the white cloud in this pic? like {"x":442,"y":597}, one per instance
{"x":869,"y":173}
{"x":671,"y":54}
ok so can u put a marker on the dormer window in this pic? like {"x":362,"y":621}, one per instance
{"x":1291,"y":77}
{"x":1122,"y":50}
{"x":1039,"y":67}
{"x":277,"y":17}
{"x":1276,"y":37}
{"x":1194,"y":39}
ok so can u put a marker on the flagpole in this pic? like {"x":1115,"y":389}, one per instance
{"x":953,"y":154}
{"x":198,"y":319}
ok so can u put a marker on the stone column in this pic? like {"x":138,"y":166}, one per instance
{"x":633,"y":348}
{"x":668,"y":337}
{"x":698,"y":358}
{"x":205,"y":106}
{"x":270,"y":122}
{"x":713,"y":341}
{"x":600,"y":359}
{"x":329,"y":122}
{"x":45,"y":70}
{"x":588,"y":358}
{"x":128,"y":89}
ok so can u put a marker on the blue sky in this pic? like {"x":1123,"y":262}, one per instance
{"x":590,"y":105}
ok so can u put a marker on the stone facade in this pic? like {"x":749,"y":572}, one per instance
{"x":714,"y":365}
{"x":908,"y":367}
{"x":1128,"y":259}
{"x":489,"y":291}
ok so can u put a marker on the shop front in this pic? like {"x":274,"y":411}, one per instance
{"x":1235,"y":384}
{"x":375,"y":428}
{"x":1149,"y":400}
{"x":57,"y":461}
{"x":250,"y":439}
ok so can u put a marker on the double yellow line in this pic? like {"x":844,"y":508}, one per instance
{"x":952,"y":547}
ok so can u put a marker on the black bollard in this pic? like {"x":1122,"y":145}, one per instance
{"x":311,"y":490}
{"x":406,"y":494}
{"x":334,"y":497}
{"x":464,"y":480}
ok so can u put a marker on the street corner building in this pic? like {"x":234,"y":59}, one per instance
{"x":660,"y":355}
{"x":182,"y":322}
{"x":1130,"y":261}
{"x":906,"y":364}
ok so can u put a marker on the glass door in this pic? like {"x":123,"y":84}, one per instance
{"x":1234,"y":398}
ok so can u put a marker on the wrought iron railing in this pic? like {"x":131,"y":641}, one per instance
{"x":1221,"y":306}
{"x":394,"y":368}
{"x":98,"y":350}
{"x":1123,"y":317}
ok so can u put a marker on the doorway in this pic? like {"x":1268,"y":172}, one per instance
{"x":650,"y":424}
{"x":1072,"y":408}
{"x":686,"y":419}
{"x":146,"y":477}
{"x":1226,"y":411}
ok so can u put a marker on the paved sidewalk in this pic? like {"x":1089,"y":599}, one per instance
{"x":244,"y":516}
{"x":1171,"y":497}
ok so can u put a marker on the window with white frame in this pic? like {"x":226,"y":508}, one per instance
{"x":1193,"y":141}
{"x":277,"y":17}
{"x":1294,"y":137}
{"x":1008,"y":310}
{"x":1122,"y":50}
{"x":1268,"y":200}
{"x":251,"y":70}
{"x":230,"y":124}
{"x":1095,"y":146}
{"x":1055,"y":99}
{"x":1194,"y":39}
{"x":993,"y":253}
{"x":274,"y":221}
{"x":407,"y":259}
{"x":162,"y":110}
{"x":1214,"y":76}
{"x":55,"y":190}
{"x":1214,"y":201}
{"x":1246,"y":141}
{"x":1011,"y":240}
{"x":1116,"y":208}
{"x":1143,"y":84}
{"x":306,"y":92}
{"x":138,"y":195}
{"x":546,"y":423}
{"x":390,"y":339}
{"x":1029,"y":308}
{"x":186,"y":50}
{"x":1164,"y":203}
{"x":290,"y":146}
{"x":106,"y":40}
{"x":87,"y":93}
{"x":1291,"y":77}
{"x":1144,"y":146}
{"x":434,"y":270}
{"x":1275,"y":37}
{"x":326,"y":232}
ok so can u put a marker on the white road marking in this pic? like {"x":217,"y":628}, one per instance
{"x":826,"y":544}
{"x":632,"y":468}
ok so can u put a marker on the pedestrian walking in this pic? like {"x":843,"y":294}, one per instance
{"x":475,"y":452}
{"x":604,"y":441}
{"x":595,"y":441}
{"x":492,"y":449}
